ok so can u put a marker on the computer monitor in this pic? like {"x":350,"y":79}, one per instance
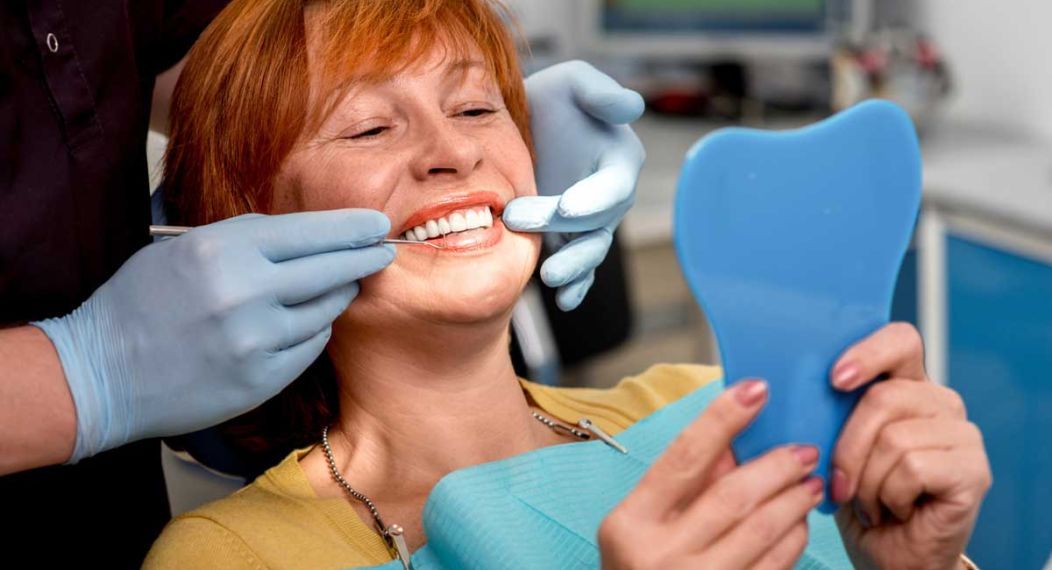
{"x":717,"y":29}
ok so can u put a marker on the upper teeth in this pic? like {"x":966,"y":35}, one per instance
{"x":458,"y":221}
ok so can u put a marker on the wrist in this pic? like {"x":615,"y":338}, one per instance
{"x":77,"y":341}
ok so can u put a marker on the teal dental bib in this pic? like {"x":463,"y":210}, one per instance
{"x":792,"y":242}
{"x":542,"y":510}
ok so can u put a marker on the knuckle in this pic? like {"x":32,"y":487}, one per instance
{"x":787,"y":465}
{"x":909,"y":336}
{"x":578,"y":66}
{"x":792,"y":547}
{"x":728,"y":499}
{"x":764,"y":530}
{"x":326,"y":334}
{"x":685,"y":454}
{"x":894,"y":439}
{"x":800,"y":537}
{"x":983,"y":481}
{"x":720,"y":419}
{"x":619,"y":542}
{"x":613,"y":527}
{"x":243,"y":347}
{"x":973,"y":433}
{"x":881,"y":395}
{"x":954,"y":402}
{"x":201,"y":249}
{"x":913,"y":466}
{"x":225,"y":298}
{"x":986,"y":481}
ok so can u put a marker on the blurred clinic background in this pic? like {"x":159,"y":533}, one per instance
{"x":977,"y":79}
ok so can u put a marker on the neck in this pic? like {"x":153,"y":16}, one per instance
{"x":414,"y":408}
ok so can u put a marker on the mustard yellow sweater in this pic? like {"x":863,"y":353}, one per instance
{"x":279,"y":522}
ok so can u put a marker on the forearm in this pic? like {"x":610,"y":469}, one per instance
{"x":38,"y":422}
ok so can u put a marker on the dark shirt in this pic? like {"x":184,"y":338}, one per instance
{"x":76,"y":80}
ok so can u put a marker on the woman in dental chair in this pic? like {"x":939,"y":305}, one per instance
{"x":417,"y":109}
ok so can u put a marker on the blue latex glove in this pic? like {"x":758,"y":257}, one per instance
{"x":588,"y":161}
{"x":195,"y":330}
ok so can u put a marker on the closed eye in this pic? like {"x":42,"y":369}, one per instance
{"x":374,"y":132}
{"x":479,"y":112}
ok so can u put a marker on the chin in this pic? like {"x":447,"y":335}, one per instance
{"x":475,"y":287}
{"x":466,"y":299}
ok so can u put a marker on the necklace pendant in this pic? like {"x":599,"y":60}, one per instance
{"x":585,"y":423}
{"x":396,"y":537}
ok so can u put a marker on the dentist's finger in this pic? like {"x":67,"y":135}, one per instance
{"x":531,"y":214}
{"x":541,"y":214}
{"x":235,"y":219}
{"x":576,"y":258}
{"x":305,"y":278}
{"x":292,"y":361}
{"x":302,"y":322}
{"x":611,"y":188}
{"x":288,"y":236}
{"x":602,"y":97}
{"x":570,"y":296}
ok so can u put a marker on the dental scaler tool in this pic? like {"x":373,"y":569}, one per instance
{"x":174,"y":231}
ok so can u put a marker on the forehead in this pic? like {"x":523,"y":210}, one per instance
{"x":342,"y":52}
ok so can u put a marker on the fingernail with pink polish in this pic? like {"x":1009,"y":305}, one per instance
{"x":750,"y":392}
{"x":815,"y":485}
{"x":845,"y":375}
{"x":839,"y":485}
{"x":807,"y":455}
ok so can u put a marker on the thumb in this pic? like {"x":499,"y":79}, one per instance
{"x":599,"y":95}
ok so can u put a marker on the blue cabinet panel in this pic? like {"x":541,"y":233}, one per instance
{"x":1000,"y":360}
{"x":904,"y":303}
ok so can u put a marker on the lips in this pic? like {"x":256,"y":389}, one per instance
{"x":450,"y":204}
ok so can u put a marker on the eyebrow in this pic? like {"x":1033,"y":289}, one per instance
{"x":459,"y":70}
{"x":462,"y":65}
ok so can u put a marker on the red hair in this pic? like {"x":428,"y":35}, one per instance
{"x":245,"y":96}
{"x":255,"y":83}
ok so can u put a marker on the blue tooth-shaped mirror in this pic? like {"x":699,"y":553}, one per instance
{"x":792,"y":242}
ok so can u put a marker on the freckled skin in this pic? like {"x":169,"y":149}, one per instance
{"x":404,"y":144}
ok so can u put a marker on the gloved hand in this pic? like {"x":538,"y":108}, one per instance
{"x":198,"y":329}
{"x":588,"y":161}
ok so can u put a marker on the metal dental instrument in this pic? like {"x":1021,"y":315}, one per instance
{"x":173,"y":231}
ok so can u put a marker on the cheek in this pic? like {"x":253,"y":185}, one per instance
{"x":514,"y":161}
{"x":319,"y":184}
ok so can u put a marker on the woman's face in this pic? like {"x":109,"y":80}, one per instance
{"x":435,"y":150}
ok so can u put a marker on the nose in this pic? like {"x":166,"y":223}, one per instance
{"x":445,"y":151}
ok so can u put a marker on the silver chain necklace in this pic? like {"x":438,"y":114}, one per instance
{"x":394,"y":535}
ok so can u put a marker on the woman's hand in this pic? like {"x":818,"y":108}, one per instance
{"x":909,"y":467}
{"x":695,"y":509}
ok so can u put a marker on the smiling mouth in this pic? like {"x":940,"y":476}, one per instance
{"x":454,"y":223}
{"x":458,"y":222}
